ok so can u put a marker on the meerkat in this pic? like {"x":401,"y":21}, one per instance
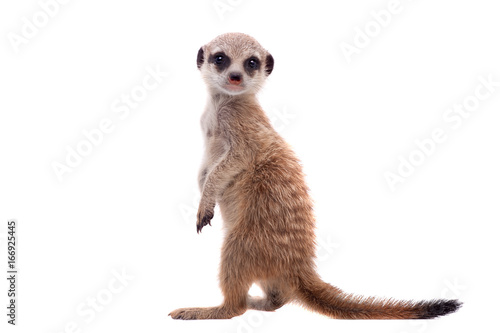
{"x":258,"y":183}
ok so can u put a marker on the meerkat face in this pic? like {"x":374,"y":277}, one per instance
{"x":234,"y":63}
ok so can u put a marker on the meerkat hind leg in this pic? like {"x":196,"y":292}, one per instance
{"x":227,"y":310}
{"x":235,"y":290}
{"x":216,"y":312}
{"x":263,"y":303}
{"x":274,"y":298}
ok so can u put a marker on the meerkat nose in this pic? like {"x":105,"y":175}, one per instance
{"x":235,"y":78}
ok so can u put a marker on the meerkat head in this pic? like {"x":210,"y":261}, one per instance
{"x":234,"y":64}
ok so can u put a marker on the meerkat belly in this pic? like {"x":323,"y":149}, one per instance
{"x":216,"y":149}
{"x":254,"y":207}
{"x":230,"y":201}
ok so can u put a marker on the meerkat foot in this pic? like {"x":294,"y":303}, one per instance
{"x":270,"y":302}
{"x":258,"y":303}
{"x":216,"y":312}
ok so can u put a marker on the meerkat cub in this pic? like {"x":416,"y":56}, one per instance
{"x":257,"y":181}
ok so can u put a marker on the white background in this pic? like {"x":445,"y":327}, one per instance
{"x":129,"y":205}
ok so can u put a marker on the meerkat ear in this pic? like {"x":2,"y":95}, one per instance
{"x":200,"y":59}
{"x":269,"y":64}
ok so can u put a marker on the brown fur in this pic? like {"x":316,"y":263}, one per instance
{"x":256,"y":179}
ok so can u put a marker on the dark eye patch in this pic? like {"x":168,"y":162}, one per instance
{"x":251,"y":65}
{"x":220,"y":60}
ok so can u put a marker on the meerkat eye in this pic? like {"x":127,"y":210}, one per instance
{"x":252,"y":63}
{"x":219,"y":59}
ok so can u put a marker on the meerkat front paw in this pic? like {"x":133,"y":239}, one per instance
{"x":205,"y":215}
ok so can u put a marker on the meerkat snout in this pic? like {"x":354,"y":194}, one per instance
{"x":235,"y":78}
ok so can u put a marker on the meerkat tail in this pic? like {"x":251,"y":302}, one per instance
{"x":328,"y":300}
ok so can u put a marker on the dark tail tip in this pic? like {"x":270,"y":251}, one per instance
{"x":439,"y":308}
